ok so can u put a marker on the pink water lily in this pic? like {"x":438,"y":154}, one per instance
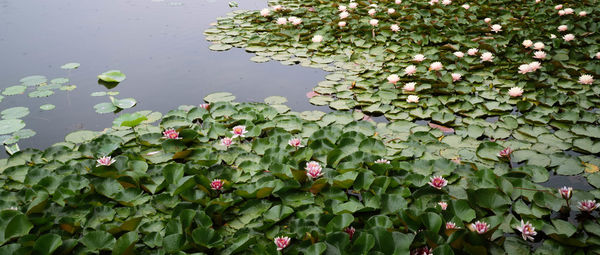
{"x":281,"y":21}
{"x":342,"y":8}
{"x":398,"y":1}
{"x":582,"y":13}
{"x":451,"y":225}
{"x":265,"y":12}
{"x":395,"y":28}
{"x":391,"y":11}
{"x":558,"y":7}
{"x":277,"y":8}
{"x":539,"y":55}
{"x":598,"y":55}
{"x":513,"y":92}
{"x":527,"y":43}
{"x":412,"y":99}
{"x":524,"y":68}
{"x":422,"y":251}
{"x":446,"y":2}
{"x":410,"y":86}
{"x":466,"y":6}
{"x":588,"y":205}
{"x":505,"y":153}
{"x":217,"y":184}
{"x":459,"y":54}
{"x":317,"y":38}
{"x":410,"y":70}
{"x":487,"y":20}
{"x":487,"y":57}
{"x":105,"y":161}
{"x":342,"y":23}
{"x":496,"y":28}
{"x":472,"y":51}
{"x":480,"y":227}
{"x":419,"y":57}
{"x":534,"y":66}
{"x":562,"y":28}
{"x":456,"y":76}
{"x":586,"y":79}
{"x":353,"y":5}
{"x":295,"y":20}
{"x":239,"y":131}
{"x":568,"y":37}
{"x":437,"y":182}
{"x":561,"y":13}
{"x":393,"y":78}
{"x":372,"y":12}
{"x":566,"y":192}
{"x":382,"y":161}
{"x":538,"y":46}
{"x":374,"y":22}
{"x":569,"y":11}
{"x":443,"y":205}
{"x":527,"y":230}
{"x":344,"y":15}
{"x":350,"y":230}
{"x":313,"y":170}
{"x":281,"y":242}
{"x":226,"y":141}
{"x":295,"y":142}
{"x":436,"y":66}
{"x":171,"y":134}
{"x":205,"y":106}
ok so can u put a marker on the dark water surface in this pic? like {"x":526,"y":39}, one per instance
{"x":159,"y":45}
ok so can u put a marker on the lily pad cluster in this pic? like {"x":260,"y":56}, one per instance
{"x":450,"y":64}
{"x":230,"y":178}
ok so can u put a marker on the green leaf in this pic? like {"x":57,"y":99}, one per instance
{"x":11,"y":125}
{"x":47,"y":107}
{"x":70,"y":66}
{"x":112,"y":76}
{"x":105,"y":107}
{"x":339,"y":222}
{"x":126,"y":244}
{"x":18,"y":226}
{"x":98,"y":240}
{"x":47,"y":244}
{"x":129,"y":120}
{"x":489,"y":150}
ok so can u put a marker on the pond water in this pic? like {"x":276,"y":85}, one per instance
{"x":159,"y":45}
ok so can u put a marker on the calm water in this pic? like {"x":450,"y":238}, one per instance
{"x":159,"y":45}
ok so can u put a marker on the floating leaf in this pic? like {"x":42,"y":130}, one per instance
{"x":47,"y":107}
{"x":105,"y":107}
{"x":11,"y":125}
{"x":14,"y":90}
{"x":219,"y":97}
{"x":15,"y":112}
{"x":70,"y":66}
{"x":41,"y":93}
{"x":129,"y":120}
{"x":112,"y":76}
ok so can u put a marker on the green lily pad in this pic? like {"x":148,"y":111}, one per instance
{"x":41,"y":93}
{"x":220,"y":47}
{"x":59,"y":80}
{"x":68,"y":87}
{"x":129,"y":120}
{"x":81,"y":136}
{"x":98,"y":94}
{"x":14,"y":90}
{"x":219,"y":97}
{"x":112,"y":76}
{"x":70,"y":66}
{"x":272,"y":100}
{"x":33,"y":80}
{"x":105,"y":107}
{"x":15,"y":112}
{"x":11,"y":125}
{"x":47,"y":107}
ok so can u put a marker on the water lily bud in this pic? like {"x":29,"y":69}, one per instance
{"x":568,"y":37}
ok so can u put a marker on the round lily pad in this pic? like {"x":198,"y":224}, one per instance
{"x":219,"y":97}
{"x":98,"y":94}
{"x":33,"y":80}
{"x":11,"y":125}
{"x":15,"y":112}
{"x":105,"y":107}
{"x":70,"y":66}
{"x":14,"y":90}
{"x":220,"y":47}
{"x":81,"y":136}
{"x":59,"y":80}
{"x":68,"y":87}
{"x":124,"y":103}
{"x":275,"y":100}
{"x":112,"y":76}
{"x":47,"y":107}
{"x":41,"y":93}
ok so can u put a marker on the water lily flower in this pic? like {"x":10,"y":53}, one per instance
{"x":393,"y":78}
{"x":598,"y":55}
{"x":537,"y":1}
{"x":524,"y":68}
{"x":205,"y":106}
{"x":374,"y":22}
{"x":487,"y":20}
{"x":568,"y":11}
{"x":446,"y":2}
{"x":398,"y":1}
{"x":456,"y":76}
{"x":277,"y":8}
{"x":410,"y":70}
{"x":527,"y":43}
{"x":586,"y":79}
{"x":171,"y":134}
{"x":487,"y":57}
{"x":566,"y":192}
{"x":295,"y":142}
{"x":265,"y":12}
{"x":342,"y":8}
{"x":539,"y":54}
{"x":239,"y":131}
{"x":538,"y":46}
{"x":450,"y":225}
{"x":105,"y":161}
{"x":534,"y":66}
{"x":480,"y":227}
{"x":342,"y":23}
{"x":582,"y":13}
{"x":588,"y":205}
{"x":496,"y":28}
{"x":515,"y":92}
{"x":372,"y":12}
{"x":412,"y":99}
{"x":561,"y":13}
{"x":317,"y":38}
{"x":373,"y":5}
{"x":226,"y":141}
{"x":217,"y":184}
{"x":443,"y":205}
{"x":432,"y":2}
{"x":419,"y":57}
{"x":344,"y":15}
{"x":295,"y":20}
{"x":313,"y":169}
{"x":395,"y":28}
{"x":527,"y":230}
{"x":552,"y":36}
{"x":281,"y":21}
{"x":282,"y":242}
{"x":562,"y":28}
{"x":422,"y":251}
{"x":466,"y":6}
{"x":410,"y":86}
{"x":353,"y":5}
{"x":558,"y":7}
{"x":459,"y":54}
{"x":350,"y":230}
{"x":437,"y":182}
{"x":391,"y":11}
{"x":472,"y":52}
{"x":382,"y":161}
{"x":436,"y":66}
{"x":568,"y":37}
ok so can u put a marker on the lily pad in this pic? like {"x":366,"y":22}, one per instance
{"x":129,"y":120}
{"x":14,"y":90}
{"x":41,"y":93}
{"x":112,"y":76}
{"x":15,"y":112}
{"x":105,"y":107}
{"x":47,"y":107}
{"x":10,"y":125}
{"x":70,"y":66}
{"x":219,"y":97}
